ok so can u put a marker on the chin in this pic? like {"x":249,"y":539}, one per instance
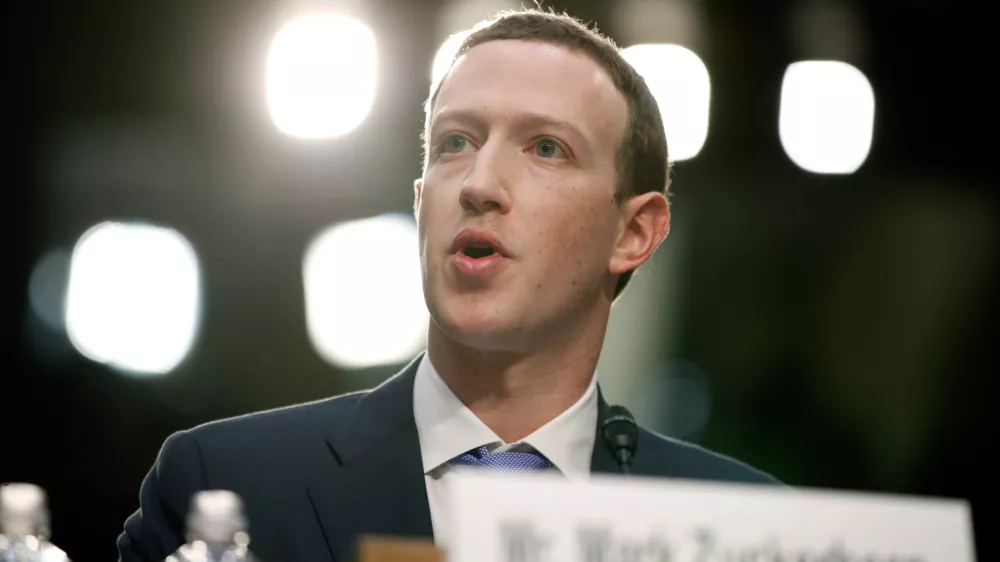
{"x":484,"y":326}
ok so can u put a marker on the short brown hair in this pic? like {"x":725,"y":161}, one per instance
{"x":642,"y":160}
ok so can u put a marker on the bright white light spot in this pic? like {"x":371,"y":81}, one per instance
{"x":364,"y":297}
{"x":52,"y":553}
{"x":47,"y":288}
{"x":445,"y":53}
{"x":827,"y":116}
{"x":679,"y":81}
{"x":133,"y":298}
{"x":321,"y":74}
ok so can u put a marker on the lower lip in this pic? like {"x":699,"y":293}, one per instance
{"x":478,"y":266}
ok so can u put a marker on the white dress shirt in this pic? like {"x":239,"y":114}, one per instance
{"x":447,"y":428}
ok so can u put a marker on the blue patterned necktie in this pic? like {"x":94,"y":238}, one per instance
{"x":504,"y":462}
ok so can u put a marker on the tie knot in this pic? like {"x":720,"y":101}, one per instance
{"x":506,"y":462}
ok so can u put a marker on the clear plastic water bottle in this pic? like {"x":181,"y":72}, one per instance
{"x":24,"y":525}
{"x":217,"y":530}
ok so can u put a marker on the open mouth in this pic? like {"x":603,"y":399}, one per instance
{"x":476,"y":250}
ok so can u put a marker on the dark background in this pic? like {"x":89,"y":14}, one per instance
{"x":844,"y":322}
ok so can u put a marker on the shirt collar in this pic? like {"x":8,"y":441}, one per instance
{"x":447,"y":428}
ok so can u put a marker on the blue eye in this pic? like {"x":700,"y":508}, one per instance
{"x":454,"y":143}
{"x":547,"y":148}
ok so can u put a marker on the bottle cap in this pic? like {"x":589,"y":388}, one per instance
{"x":23,"y":510}
{"x":217,"y":516}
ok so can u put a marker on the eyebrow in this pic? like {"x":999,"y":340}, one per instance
{"x":527,"y":119}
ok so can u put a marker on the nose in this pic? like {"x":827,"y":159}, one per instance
{"x":486,"y":187}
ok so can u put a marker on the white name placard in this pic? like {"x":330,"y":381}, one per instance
{"x":616,"y":519}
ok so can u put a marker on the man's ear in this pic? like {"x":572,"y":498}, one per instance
{"x":418,"y":186}
{"x":645,"y":224}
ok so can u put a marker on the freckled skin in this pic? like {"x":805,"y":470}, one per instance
{"x":552,"y":205}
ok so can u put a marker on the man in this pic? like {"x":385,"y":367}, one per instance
{"x":543,"y":188}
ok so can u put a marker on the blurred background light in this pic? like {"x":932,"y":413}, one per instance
{"x":321,"y":76}
{"x":47,"y":289}
{"x":454,"y":22}
{"x":827,"y":116}
{"x":680,"y":83}
{"x":363,"y":292}
{"x":444,"y":55}
{"x":133,"y":297}
{"x":683,"y":399}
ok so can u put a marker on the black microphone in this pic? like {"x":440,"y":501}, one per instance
{"x":620,"y":435}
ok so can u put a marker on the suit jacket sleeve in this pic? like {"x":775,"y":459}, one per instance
{"x":156,"y":529}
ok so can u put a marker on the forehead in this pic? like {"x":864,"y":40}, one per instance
{"x":502,"y":79}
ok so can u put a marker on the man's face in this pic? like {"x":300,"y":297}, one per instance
{"x":516,"y":210}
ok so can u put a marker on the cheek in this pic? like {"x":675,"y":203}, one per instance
{"x":576,"y":236}
{"x":428,"y":235}
{"x":430,"y":209}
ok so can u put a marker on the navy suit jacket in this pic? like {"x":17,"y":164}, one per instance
{"x":314,"y":477}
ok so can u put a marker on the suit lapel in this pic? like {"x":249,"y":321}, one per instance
{"x":378,"y":484}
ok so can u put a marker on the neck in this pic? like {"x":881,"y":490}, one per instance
{"x":516,"y":392}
